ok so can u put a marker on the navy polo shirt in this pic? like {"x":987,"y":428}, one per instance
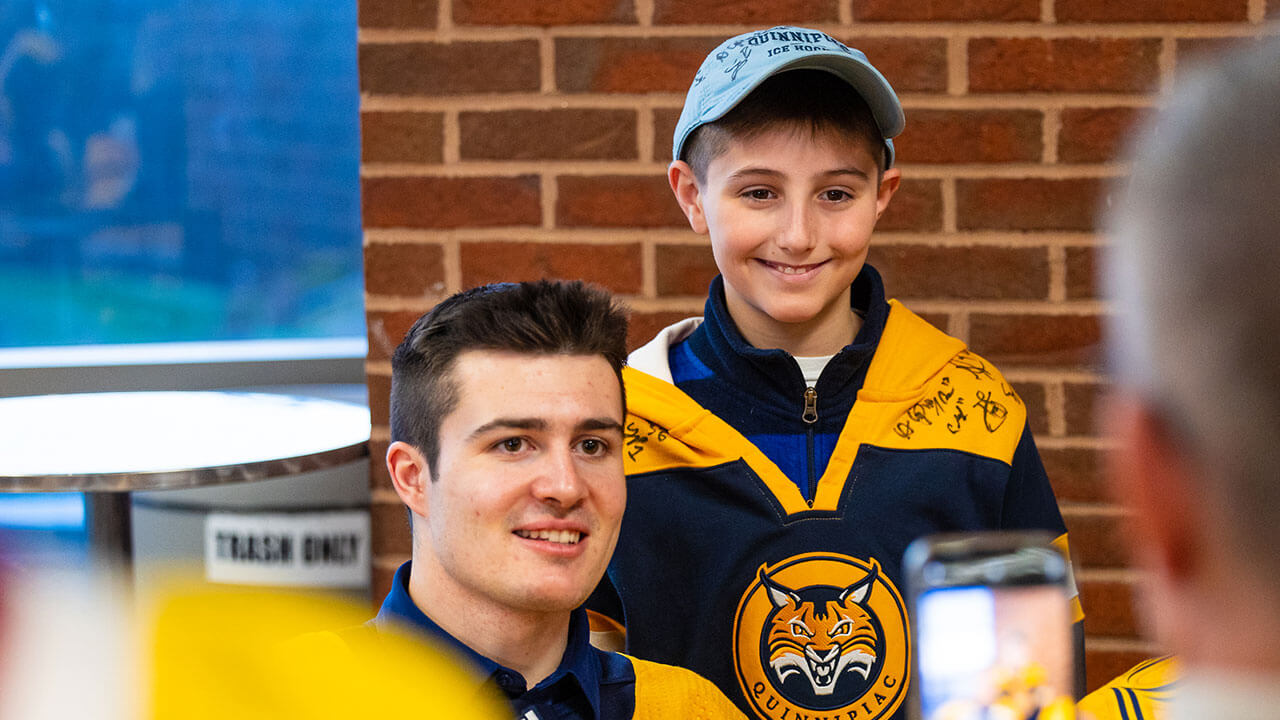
{"x":589,"y":684}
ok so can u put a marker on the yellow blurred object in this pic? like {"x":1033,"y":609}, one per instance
{"x":247,"y":654}
{"x":1142,"y":692}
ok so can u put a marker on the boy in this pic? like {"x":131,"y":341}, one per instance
{"x":784,"y":449}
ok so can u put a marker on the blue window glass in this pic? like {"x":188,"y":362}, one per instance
{"x":173,"y":170}
{"x":178,"y":170}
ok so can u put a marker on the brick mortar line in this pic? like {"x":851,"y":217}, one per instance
{"x":1104,"y":643}
{"x":1057,"y":273}
{"x":515,"y":168}
{"x":690,"y":304}
{"x":519,"y":101}
{"x":987,"y":239}
{"x":396,"y":303}
{"x":645,"y":128}
{"x":905,"y":30}
{"x":547,"y":56}
{"x":1045,"y":307}
{"x":405,"y":303}
{"x":384,"y":496}
{"x":1123,"y":575}
{"x":389,"y":561}
{"x":1055,"y":402}
{"x":1092,"y":509}
{"x":381,"y":432}
{"x":444,"y":20}
{"x":550,"y":194}
{"x":380,"y":368}
{"x":548,"y":235}
{"x":1051,"y":129}
{"x":511,"y":168}
{"x":957,"y":67}
{"x":685,"y":237}
{"x":452,"y":261}
{"x":1072,"y":443}
{"x":1166,"y":63}
{"x":844,"y":11}
{"x":958,"y":325}
{"x":372,"y":102}
{"x":950,"y":209}
{"x":1079,"y":375}
{"x":644,"y":12}
{"x":1027,"y":101}
{"x":1256,"y":11}
{"x":648,"y":270}
{"x":451,"y":149}
{"x":1047,"y":15}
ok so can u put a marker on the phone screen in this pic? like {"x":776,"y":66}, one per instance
{"x":993,"y":652}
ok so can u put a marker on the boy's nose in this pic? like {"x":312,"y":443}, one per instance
{"x":796,"y":234}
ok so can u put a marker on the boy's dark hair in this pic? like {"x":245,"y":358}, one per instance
{"x":535,"y":318}
{"x":806,"y":100}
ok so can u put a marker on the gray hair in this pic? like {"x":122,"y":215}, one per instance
{"x":1193,"y":271}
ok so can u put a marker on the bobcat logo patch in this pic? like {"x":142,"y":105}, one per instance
{"x":822,"y":635}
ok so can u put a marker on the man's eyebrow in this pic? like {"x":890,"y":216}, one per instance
{"x":510,"y":424}
{"x":602,"y":423}
{"x":599,"y":424}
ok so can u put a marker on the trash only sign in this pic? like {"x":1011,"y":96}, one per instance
{"x":320,"y":549}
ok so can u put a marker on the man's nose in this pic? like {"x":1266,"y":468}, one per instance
{"x":560,"y":480}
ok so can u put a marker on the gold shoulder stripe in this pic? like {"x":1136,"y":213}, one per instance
{"x":666,"y":428}
{"x":1064,"y":547}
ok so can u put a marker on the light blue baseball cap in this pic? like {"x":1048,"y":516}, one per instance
{"x":741,"y":63}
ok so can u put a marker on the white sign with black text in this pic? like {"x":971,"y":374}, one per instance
{"x":320,"y":549}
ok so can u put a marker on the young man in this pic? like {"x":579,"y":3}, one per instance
{"x":1195,"y":351}
{"x":506,"y":422}
{"x":784,"y":449}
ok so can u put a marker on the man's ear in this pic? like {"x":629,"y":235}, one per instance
{"x":1151,"y":477}
{"x":685,"y":186}
{"x":889,"y":181}
{"x":409,"y":475}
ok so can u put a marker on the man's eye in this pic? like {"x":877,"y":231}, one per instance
{"x":591,"y":446}
{"x":514,"y":444}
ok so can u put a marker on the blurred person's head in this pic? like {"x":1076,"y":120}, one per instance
{"x":506,"y":422}
{"x":1193,"y":270}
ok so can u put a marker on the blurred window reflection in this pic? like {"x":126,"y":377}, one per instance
{"x":178,"y":170}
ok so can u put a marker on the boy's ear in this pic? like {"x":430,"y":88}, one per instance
{"x":889,"y":181}
{"x":409,"y":475}
{"x":685,"y":186}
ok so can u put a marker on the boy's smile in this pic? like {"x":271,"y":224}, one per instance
{"x":790,"y":214}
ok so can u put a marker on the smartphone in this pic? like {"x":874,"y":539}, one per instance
{"x":992,"y":617}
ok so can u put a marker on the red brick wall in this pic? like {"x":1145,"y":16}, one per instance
{"x":515,"y":139}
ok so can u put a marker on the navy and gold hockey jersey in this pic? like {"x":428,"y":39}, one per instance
{"x":787,"y":591}
{"x":1142,"y":693}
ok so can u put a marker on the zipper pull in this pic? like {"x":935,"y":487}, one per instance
{"x":810,"y":406}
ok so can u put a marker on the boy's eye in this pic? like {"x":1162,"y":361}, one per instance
{"x":835,"y":195}
{"x":758,"y":194}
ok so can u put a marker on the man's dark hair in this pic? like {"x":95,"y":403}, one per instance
{"x":534,"y":318}
{"x":810,"y":101}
